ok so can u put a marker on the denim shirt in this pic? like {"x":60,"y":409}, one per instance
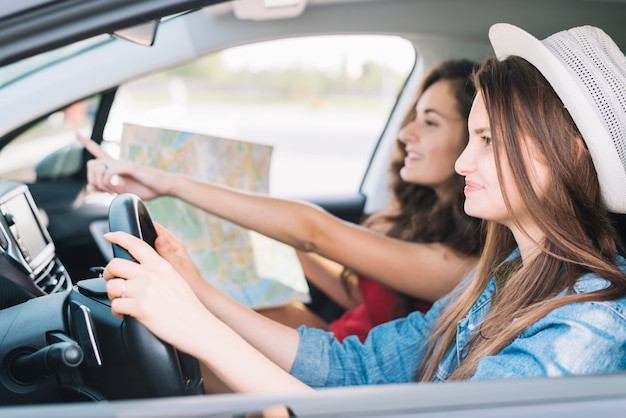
{"x":575,"y":339}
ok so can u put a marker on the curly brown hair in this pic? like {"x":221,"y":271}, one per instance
{"x":425,"y":216}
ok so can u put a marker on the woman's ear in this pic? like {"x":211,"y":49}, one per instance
{"x":582,"y":148}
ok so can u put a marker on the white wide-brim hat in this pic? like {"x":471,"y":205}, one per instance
{"x":588,"y":72}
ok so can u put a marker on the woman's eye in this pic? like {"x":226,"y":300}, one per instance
{"x":430,"y":123}
{"x":486,"y":140}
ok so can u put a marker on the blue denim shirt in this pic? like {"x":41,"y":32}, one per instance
{"x":576,"y":339}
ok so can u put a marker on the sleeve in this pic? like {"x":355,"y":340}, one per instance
{"x":390,"y":354}
{"x":576,"y":339}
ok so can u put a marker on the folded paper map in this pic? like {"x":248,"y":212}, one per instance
{"x":253,"y":269}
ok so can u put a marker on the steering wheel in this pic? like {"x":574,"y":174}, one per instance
{"x":167,"y":371}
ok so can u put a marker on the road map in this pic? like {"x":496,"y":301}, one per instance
{"x":253,"y":269}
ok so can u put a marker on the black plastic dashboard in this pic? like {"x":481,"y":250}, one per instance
{"x":59,"y":341}
{"x":28,"y":260}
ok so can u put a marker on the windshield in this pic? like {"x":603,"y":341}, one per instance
{"x":12,"y":72}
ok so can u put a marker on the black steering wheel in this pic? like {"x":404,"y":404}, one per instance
{"x":167,"y":371}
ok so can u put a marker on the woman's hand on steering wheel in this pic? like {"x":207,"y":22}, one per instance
{"x":173,"y":250}
{"x":153,"y":292}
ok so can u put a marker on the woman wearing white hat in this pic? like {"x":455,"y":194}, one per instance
{"x":544,"y":165}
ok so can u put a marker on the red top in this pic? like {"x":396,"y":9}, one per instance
{"x":378,"y":307}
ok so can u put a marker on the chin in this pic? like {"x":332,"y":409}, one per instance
{"x":473,"y":211}
{"x":405,"y":174}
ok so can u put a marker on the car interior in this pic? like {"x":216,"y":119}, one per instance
{"x":60,"y":346}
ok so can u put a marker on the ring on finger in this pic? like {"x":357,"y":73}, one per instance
{"x":123,"y":293}
{"x":105,"y":166}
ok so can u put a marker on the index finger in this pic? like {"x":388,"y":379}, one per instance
{"x":93,"y":148}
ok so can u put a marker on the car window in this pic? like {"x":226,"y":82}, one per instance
{"x":321,"y":102}
{"x":45,"y":150}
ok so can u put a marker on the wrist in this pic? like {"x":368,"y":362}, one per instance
{"x":168,"y":183}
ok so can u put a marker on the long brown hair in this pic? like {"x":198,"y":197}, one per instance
{"x":423,"y":215}
{"x":579,"y":237}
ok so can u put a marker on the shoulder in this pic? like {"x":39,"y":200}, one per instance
{"x":574,"y":339}
{"x":607,"y":315}
{"x":591,"y":282}
{"x":579,"y":338}
{"x":590,"y":320}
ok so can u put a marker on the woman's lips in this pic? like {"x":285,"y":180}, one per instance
{"x":470,"y":186}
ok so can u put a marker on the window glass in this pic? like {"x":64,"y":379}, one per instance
{"x":321,"y":102}
{"x":29,"y":156}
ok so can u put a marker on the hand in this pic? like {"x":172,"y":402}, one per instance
{"x":106,"y":174}
{"x":151,"y":291}
{"x":173,"y":250}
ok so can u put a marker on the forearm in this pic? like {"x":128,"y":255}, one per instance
{"x":239,"y":364}
{"x":276,"y":341}
{"x":325,"y":274}
{"x":291,"y":222}
{"x":425,"y":271}
{"x":272,"y":339}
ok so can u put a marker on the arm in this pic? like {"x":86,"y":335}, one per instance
{"x":391,"y":353}
{"x":426,"y":271}
{"x":326,"y":275}
{"x":157,"y":296}
{"x":276,"y":341}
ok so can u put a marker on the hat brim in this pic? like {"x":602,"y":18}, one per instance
{"x":509,"y":40}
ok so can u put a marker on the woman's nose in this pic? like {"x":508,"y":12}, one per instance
{"x":409,"y":133}
{"x":464,"y":163}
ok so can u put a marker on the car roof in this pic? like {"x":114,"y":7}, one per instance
{"x":33,"y":26}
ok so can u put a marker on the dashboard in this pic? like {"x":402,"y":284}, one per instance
{"x":28,"y":263}
{"x":59,"y":341}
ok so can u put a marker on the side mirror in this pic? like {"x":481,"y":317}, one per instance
{"x":63,"y":162}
